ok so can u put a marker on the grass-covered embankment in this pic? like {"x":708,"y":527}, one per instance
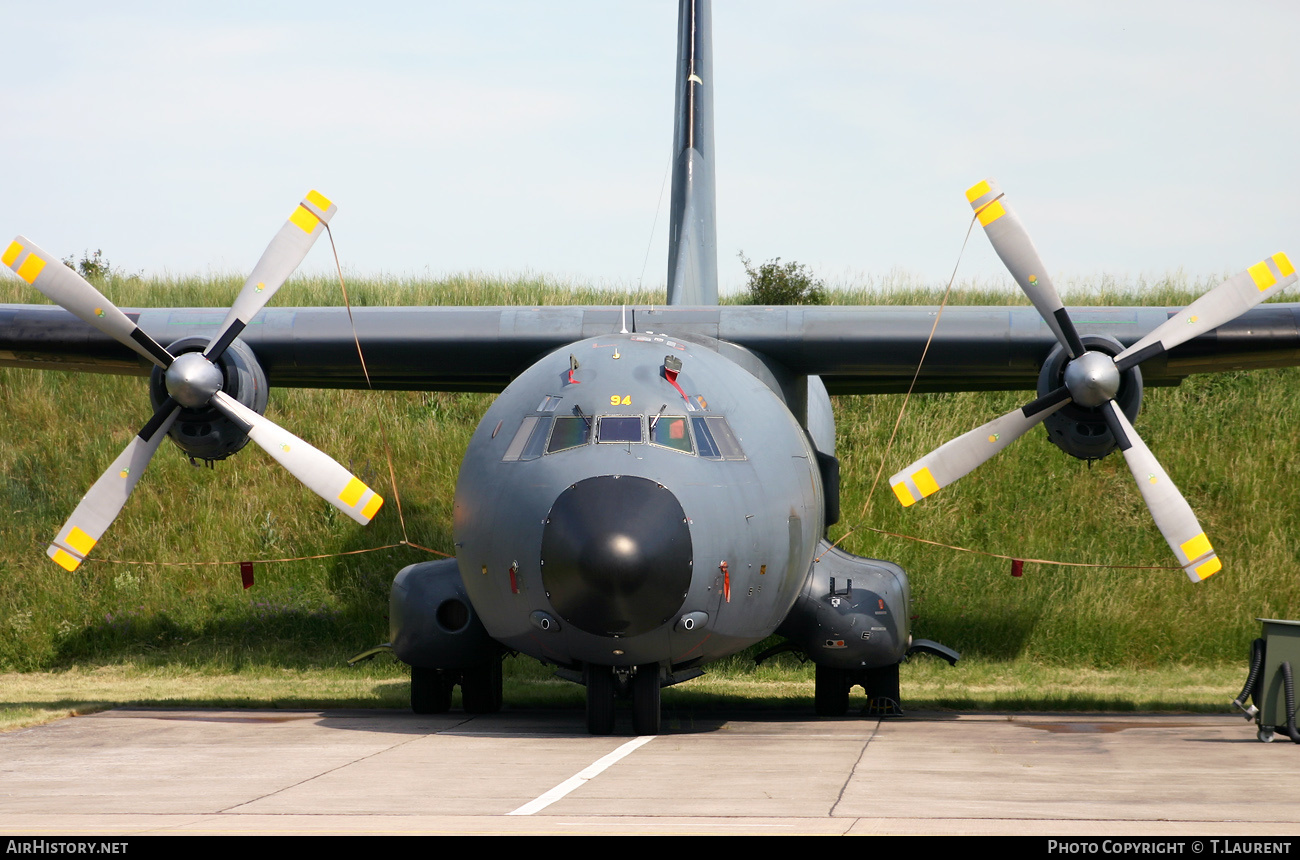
{"x":1226,"y":440}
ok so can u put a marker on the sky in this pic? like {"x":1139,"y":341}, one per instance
{"x":506,"y":137}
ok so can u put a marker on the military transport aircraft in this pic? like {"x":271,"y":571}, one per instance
{"x":650,"y":490}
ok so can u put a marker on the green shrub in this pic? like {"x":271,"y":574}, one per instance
{"x":775,"y":284}
{"x":92,"y":267}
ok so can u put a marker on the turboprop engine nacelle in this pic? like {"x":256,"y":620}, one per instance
{"x":204,"y":433}
{"x":1081,"y":431}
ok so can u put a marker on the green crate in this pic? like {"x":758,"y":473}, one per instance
{"x":1281,"y":645}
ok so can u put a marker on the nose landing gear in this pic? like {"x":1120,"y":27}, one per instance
{"x":641,"y":684}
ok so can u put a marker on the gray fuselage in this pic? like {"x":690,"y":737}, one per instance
{"x":576,"y":549}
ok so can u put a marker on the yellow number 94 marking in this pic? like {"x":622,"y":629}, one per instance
{"x":625,"y":400}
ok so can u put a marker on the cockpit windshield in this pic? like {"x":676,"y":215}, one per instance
{"x":707,"y":436}
{"x":669,"y":431}
{"x":569,"y":432}
{"x":620,"y":428}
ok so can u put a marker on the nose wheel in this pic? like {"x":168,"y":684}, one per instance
{"x":605,"y":684}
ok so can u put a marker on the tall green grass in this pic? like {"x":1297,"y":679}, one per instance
{"x":1226,"y":440}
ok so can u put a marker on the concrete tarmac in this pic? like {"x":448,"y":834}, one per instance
{"x":138,"y":771}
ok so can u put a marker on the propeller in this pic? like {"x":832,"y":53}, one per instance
{"x":193,"y":381}
{"x":1092,"y":380}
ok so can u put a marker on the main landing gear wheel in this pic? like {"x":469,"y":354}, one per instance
{"x":600,"y":699}
{"x":430,"y":691}
{"x":831,"y":692}
{"x":480,"y":688}
{"x":646,"y":711}
{"x":883,"y":697}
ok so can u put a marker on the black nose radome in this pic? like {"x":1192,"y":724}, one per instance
{"x":616,"y":555}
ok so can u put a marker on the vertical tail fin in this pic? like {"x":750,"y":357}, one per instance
{"x":692,"y":230}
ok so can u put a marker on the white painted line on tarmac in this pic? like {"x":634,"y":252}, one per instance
{"x":582,"y":777}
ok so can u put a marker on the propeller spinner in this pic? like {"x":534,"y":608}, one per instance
{"x":1092,"y":380}
{"x":193,"y":381}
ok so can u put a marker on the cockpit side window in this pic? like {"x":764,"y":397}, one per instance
{"x":530,"y":440}
{"x":669,"y":431}
{"x":728,"y":444}
{"x":714,"y":437}
{"x":620,"y":428}
{"x":703,"y":438}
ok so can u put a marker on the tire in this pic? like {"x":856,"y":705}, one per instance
{"x":480,"y":688}
{"x":646,"y":709}
{"x":831,"y":692}
{"x":883,"y":697}
{"x":600,"y":699}
{"x":430,"y":691}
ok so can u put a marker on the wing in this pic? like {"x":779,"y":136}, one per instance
{"x":855,"y":349}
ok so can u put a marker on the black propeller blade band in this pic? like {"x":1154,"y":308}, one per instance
{"x":1133,"y":359}
{"x":1073,"y":343}
{"x":154,"y":424}
{"x":215,"y":349}
{"x":161,"y":356}
{"x":1047,"y":401}
{"x":1116,"y":427}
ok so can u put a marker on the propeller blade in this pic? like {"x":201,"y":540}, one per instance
{"x":101,"y":505}
{"x":317,"y":470}
{"x":1224,"y":303}
{"x":1172,"y":514}
{"x":286,"y":251}
{"x":75,"y":294}
{"x":959,"y":457}
{"x":1012,"y":242}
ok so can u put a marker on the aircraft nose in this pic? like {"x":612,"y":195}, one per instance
{"x":616,"y":555}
